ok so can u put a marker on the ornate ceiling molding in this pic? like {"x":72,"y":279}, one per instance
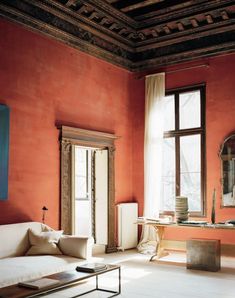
{"x":181,"y":32}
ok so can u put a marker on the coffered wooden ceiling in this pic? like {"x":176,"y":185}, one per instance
{"x":134,"y":34}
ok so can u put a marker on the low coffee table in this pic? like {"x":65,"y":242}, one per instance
{"x":66,"y":279}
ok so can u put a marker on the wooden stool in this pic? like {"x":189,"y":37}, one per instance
{"x":203,"y":254}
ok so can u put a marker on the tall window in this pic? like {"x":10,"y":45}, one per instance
{"x":184,"y":149}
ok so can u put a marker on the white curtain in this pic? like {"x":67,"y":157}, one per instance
{"x":153,"y":143}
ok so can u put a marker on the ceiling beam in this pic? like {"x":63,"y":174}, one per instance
{"x":166,"y":5}
{"x":71,"y":3}
{"x":139,"y":5}
{"x":124,"y":3}
{"x":111,"y":1}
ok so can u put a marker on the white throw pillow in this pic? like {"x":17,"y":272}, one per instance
{"x":44,"y":243}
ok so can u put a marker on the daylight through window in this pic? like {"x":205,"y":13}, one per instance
{"x":183,"y":149}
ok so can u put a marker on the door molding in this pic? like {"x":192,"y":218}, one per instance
{"x":87,"y":138}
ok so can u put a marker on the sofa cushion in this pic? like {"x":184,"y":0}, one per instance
{"x":74,"y":246}
{"x":18,"y":269}
{"x":44,"y":243}
{"x":15,"y":238}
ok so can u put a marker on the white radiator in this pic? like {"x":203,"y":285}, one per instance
{"x":127,"y":227}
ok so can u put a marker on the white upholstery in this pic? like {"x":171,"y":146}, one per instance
{"x":14,"y":238}
{"x":14,"y":270}
{"x":80,"y":247}
{"x":44,"y":243}
{"x":16,"y":267}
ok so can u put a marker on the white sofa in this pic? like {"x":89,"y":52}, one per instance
{"x":15,"y":266}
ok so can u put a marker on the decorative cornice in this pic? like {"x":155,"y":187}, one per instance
{"x":93,"y":18}
{"x":187,"y":35}
{"x":202,"y":29}
{"x":183,"y":56}
{"x":113,"y":12}
{"x":165,"y":15}
{"x":83,"y":40}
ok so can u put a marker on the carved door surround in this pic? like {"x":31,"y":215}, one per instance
{"x":75,"y":136}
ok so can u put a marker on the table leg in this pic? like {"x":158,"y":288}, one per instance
{"x":119,"y":280}
{"x":159,"y":249}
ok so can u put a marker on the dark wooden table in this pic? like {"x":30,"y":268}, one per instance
{"x":66,"y":279}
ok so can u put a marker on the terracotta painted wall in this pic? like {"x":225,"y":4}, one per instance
{"x":220,"y":121}
{"x":45,"y":83}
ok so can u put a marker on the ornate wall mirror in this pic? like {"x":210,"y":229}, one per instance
{"x":227,"y":156}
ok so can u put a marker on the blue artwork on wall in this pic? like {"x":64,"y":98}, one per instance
{"x":4,"y":150}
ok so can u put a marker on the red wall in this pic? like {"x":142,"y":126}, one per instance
{"x":45,"y":83}
{"x":220,"y":121}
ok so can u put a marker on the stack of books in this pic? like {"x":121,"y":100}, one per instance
{"x":91,"y":267}
{"x":38,"y":283}
{"x":160,"y":220}
{"x":147,"y":219}
{"x":181,"y":209}
{"x":193,"y":222}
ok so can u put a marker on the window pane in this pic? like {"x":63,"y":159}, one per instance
{"x":189,"y":109}
{"x":80,"y":161}
{"x":80,"y":187}
{"x":190,"y":170}
{"x":168,"y":179}
{"x":169,"y":113}
{"x":80,"y":173}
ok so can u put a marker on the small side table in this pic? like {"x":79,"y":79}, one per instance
{"x":203,"y":254}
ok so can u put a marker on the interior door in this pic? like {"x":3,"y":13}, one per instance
{"x":82,"y":192}
{"x":101,"y":197}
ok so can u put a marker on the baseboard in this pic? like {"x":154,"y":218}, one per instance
{"x":226,"y":249}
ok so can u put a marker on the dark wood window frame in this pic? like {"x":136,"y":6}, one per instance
{"x":177,"y":133}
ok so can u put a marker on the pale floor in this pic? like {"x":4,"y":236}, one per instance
{"x":167,"y":278}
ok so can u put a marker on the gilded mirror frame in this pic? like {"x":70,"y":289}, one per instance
{"x":227,"y":162}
